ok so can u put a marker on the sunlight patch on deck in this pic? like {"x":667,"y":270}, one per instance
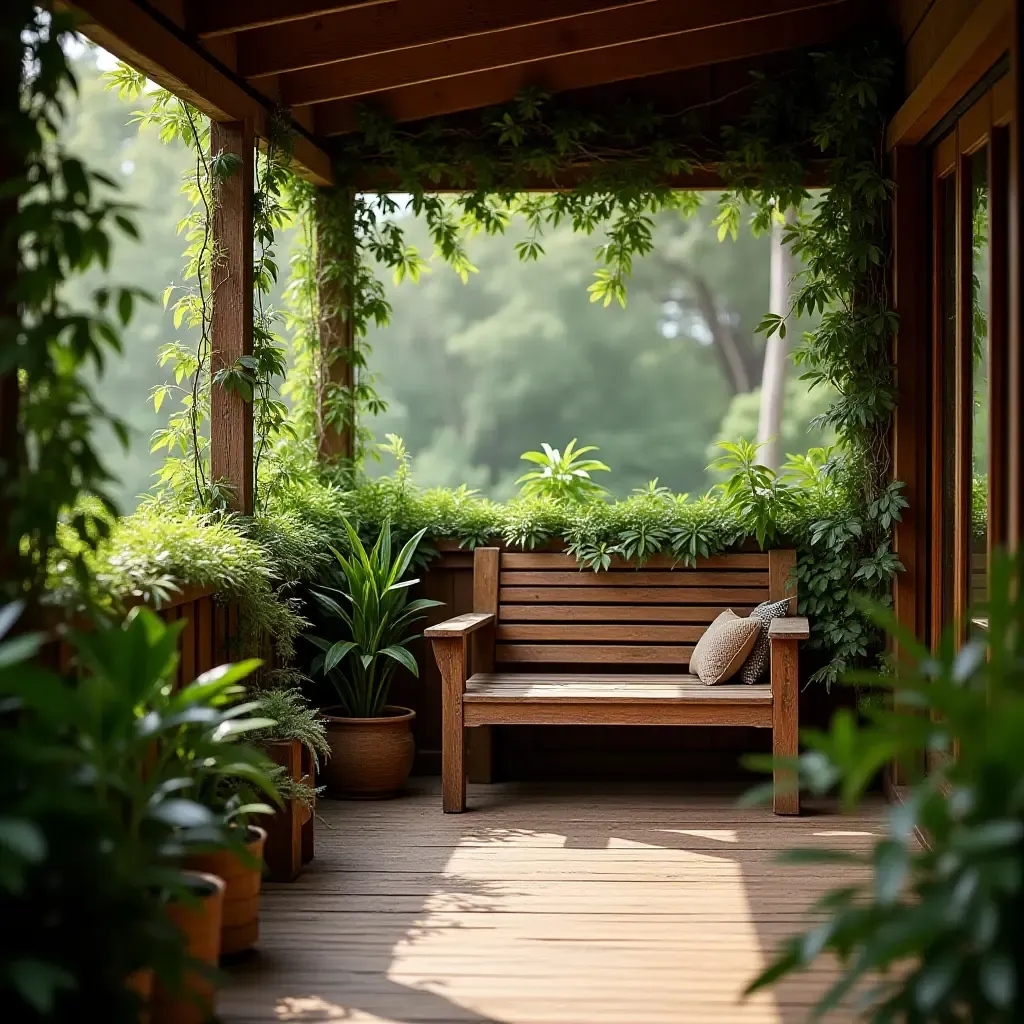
{"x":590,"y":933}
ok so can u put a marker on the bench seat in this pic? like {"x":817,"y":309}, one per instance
{"x":548,"y":698}
{"x":550,"y":644}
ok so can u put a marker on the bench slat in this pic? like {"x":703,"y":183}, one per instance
{"x":551,"y":560}
{"x":635,"y":578}
{"x":592,"y":653}
{"x":613,"y":633}
{"x":570,"y":686}
{"x":722,"y":596}
{"x":614,"y":613}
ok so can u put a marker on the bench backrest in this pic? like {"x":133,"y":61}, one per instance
{"x":551,"y":612}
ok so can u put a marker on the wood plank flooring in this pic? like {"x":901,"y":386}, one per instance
{"x":545,"y":904}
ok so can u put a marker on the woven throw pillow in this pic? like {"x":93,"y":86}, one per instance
{"x":757,"y":661}
{"x":723,"y":647}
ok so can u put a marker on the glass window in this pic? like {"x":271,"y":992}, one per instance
{"x":947,"y":412}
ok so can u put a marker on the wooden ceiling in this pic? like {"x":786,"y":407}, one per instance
{"x":416,"y":59}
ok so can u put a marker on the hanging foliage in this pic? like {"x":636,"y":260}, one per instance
{"x":59,"y":218}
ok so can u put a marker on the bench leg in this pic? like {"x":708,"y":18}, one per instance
{"x":450,"y":654}
{"x":785,"y":722}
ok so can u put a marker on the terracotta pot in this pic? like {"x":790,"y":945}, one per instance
{"x":370,"y":757}
{"x":240,"y":927}
{"x":200,"y":924}
{"x":141,"y":983}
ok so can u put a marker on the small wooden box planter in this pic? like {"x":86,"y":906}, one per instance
{"x":290,"y":830}
{"x":307,"y":814}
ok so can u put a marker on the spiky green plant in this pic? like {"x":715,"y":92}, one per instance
{"x":562,"y":474}
{"x":377,"y":616}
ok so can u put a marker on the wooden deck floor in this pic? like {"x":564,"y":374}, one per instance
{"x":551,"y":904}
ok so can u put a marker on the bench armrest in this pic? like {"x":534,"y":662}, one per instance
{"x":460,"y":626}
{"x":790,"y":627}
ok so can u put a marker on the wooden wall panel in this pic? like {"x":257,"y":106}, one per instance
{"x":954,"y":46}
{"x":934,"y":31}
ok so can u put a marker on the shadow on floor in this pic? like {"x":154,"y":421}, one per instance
{"x":382,"y":927}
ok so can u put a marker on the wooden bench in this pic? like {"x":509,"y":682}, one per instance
{"x":549,"y":644}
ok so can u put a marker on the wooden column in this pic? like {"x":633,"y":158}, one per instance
{"x":1015,"y":362}
{"x":911,"y":359}
{"x":336,"y":422}
{"x":231,"y":327}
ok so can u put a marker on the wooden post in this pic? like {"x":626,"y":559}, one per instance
{"x":336,"y":442}
{"x":911,"y":358}
{"x":231,"y":325}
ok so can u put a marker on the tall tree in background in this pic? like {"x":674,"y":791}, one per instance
{"x":776,"y":352}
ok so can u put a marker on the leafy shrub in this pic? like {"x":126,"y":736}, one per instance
{"x":814,"y":505}
{"x":934,"y":934}
{"x":294,"y":718}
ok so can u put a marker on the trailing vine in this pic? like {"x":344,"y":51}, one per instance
{"x":255,"y":377}
{"x":59,"y":220}
{"x":613,"y":166}
{"x":830,"y":107}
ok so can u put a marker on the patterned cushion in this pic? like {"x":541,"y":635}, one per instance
{"x":757,"y":661}
{"x":721,"y":650}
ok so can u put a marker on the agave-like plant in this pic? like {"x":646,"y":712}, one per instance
{"x":378,"y":617}
{"x":564,"y":475}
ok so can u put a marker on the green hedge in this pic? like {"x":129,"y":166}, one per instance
{"x":260,"y":562}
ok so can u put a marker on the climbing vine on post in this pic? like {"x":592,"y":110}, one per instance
{"x":255,"y":377}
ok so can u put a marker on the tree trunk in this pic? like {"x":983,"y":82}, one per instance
{"x":773,"y":378}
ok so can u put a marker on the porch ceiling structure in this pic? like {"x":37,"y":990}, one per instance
{"x":240,"y":60}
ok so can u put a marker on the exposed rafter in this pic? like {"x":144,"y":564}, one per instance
{"x":651,"y":20}
{"x":598,"y":67}
{"x":155,"y":48}
{"x":223,"y":17}
{"x":404,"y":23}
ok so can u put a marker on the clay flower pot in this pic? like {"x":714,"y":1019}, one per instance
{"x":141,"y":983}
{"x":370,"y":757}
{"x":243,"y":878}
{"x":200,"y":924}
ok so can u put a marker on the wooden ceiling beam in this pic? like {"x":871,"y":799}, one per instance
{"x":380,"y":72}
{"x":153,"y":45}
{"x":600,"y":67}
{"x":702,"y":177}
{"x":210,"y":18}
{"x":395,"y":26}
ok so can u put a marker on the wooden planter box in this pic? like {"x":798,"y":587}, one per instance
{"x":290,"y":830}
{"x":307,"y":815}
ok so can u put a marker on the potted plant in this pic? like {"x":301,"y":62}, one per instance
{"x":170,"y":760}
{"x":97,"y":784}
{"x":81,"y":876}
{"x":371,"y":741}
{"x":296,"y":744}
{"x":927,"y":926}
